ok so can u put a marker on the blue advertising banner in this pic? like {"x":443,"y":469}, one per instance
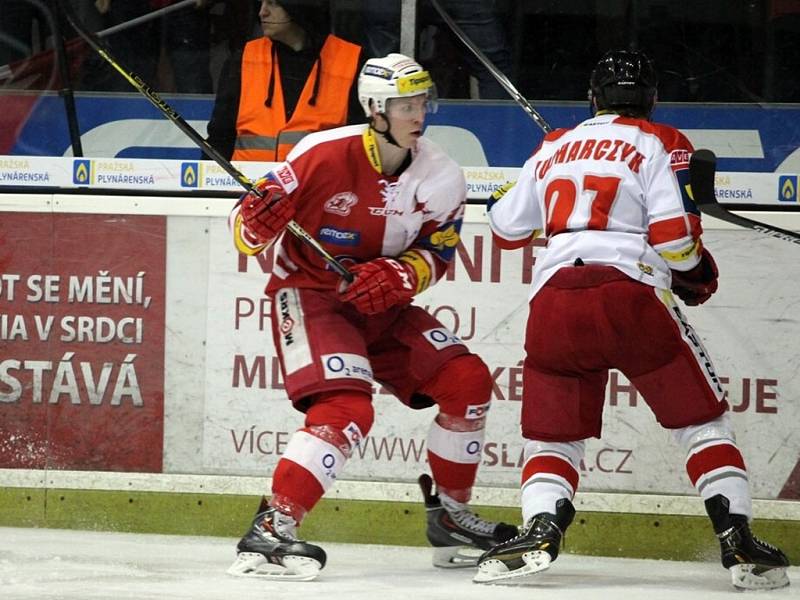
{"x":746,"y":138}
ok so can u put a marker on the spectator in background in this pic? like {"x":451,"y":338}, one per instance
{"x":234,"y":23}
{"x":296,"y":79}
{"x":477,"y":19}
{"x":184,"y":34}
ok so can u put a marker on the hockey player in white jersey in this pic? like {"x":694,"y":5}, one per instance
{"x":388,"y":204}
{"x":612,"y":198}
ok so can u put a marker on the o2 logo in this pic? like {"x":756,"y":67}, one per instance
{"x":474,"y":448}
{"x":441,"y":338}
{"x":346,"y":366}
{"x":329,"y":465}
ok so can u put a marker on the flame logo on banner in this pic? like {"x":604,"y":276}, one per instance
{"x":189,"y":177}
{"x":82,"y":172}
{"x":788,"y":188}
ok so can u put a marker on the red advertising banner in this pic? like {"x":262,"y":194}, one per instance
{"x":82,"y":309}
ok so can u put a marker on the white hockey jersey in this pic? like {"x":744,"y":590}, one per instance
{"x":614,"y":191}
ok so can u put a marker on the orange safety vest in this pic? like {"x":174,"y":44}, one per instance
{"x":262,"y":133}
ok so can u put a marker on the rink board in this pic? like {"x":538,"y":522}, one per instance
{"x":174,"y":371}
{"x":642,"y":530}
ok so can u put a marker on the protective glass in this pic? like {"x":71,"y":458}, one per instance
{"x":412,"y":107}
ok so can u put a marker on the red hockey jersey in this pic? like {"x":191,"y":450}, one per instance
{"x":357,"y":213}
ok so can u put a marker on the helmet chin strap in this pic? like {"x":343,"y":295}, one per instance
{"x":386,"y":134}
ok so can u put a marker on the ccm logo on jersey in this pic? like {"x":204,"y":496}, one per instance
{"x":340,"y":204}
{"x":286,"y":177}
{"x":382,"y":211}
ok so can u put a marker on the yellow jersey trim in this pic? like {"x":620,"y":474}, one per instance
{"x":240,"y":243}
{"x":421,"y":267}
{"x":371,"y":148}
{"x":680,"y":255}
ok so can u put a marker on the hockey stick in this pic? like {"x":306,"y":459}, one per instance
{"x":161,"y":12}
{"x":702,"y":167}
{"x":173,"y":116}
{"x":495,"y":72}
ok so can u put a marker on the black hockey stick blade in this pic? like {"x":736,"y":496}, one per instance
{"x":173,"y":115}
{"x":702,"y":168}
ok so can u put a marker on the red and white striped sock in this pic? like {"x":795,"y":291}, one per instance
{"x":549,"y":474}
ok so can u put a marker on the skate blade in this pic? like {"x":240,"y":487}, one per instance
{"x":292,"y":568}
{"x":494,"y":570}
{"x":456,"y":557}
{"x":753,"y":577}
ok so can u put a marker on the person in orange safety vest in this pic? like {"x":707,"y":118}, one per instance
{"x":294,"y":80}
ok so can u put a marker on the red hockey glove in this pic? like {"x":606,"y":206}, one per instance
{"x":379,"y":285}
{"x":696,"y":285}
{"x":265,"y":217}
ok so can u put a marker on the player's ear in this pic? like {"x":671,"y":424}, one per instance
{"x":380,"y":122}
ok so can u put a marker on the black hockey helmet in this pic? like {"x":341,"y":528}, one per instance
{"x":624,"y":81}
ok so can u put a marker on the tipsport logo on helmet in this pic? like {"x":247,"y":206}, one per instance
{"x":416,"y":82}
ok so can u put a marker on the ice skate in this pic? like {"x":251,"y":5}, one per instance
{"x":531,"y":551}
{"x":271,"y":550}
{"x":754,"y":564}
{"x":457,"y":535}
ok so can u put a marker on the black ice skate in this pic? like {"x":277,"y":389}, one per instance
{"x":271,"y":549}
{"x":457,"y":534}
{"x":531,"y":551}
{"x":754,"y":564}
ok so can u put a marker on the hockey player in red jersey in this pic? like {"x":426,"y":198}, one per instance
{"x":388,"y":204}
{"x":612,"y":198}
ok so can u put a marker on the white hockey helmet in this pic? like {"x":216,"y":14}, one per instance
{"x":392,"y":76}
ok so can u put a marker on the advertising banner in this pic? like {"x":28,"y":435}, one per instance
{"x":159,"y":176}
{"x":746,"y":137}
{"x":748,"y":329}
{"x":82,"y":317}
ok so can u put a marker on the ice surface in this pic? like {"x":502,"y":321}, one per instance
{"x":79,"y":565}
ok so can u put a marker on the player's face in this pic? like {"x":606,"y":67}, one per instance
{"x":274,"y":18}
{"x":407,"y":117}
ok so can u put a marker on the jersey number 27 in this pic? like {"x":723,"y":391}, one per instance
{"x":561,"y":195}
